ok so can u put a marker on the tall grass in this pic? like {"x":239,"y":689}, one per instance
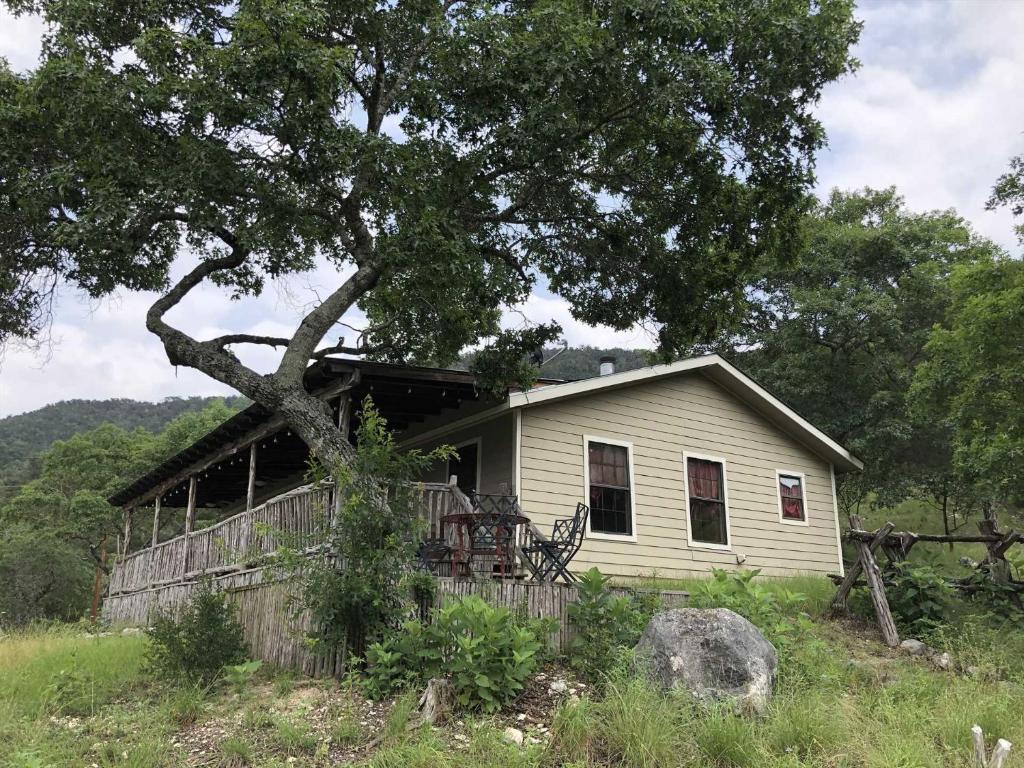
{"x":63,"y":671}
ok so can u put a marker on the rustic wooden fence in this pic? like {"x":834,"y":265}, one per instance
{"x":241,"y":541}
{"x":277,"y":634}
{"x":232,"y":554}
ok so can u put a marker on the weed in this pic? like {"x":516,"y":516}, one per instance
{"x":235,"y":753}
{"x":293,"y":736}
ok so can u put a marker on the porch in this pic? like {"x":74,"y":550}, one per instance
{"x":246,"y":540}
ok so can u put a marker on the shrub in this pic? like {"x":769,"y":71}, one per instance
{"x":605,"y":624}
{"x":482,"y":649}
{"x":373,"y":531}
{"x":769,"y":608}
{"x":200,"y":643}
{"x":918,"y":596}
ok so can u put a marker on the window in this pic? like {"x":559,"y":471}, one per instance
{"x":791,"y":497}
{"x":705,"y":486}
{"x":610,"y":494}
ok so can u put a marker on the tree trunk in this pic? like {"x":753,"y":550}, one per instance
{"x":945,"y":517}
{"x":98,"y":580}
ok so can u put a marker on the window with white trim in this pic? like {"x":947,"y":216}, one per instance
{"x":791,"y":498}
{"x":705,"y":480}
{"x":610,"y":495}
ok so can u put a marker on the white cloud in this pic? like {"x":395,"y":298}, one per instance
{"x":936,"y":110}
{"x":20,"y":39}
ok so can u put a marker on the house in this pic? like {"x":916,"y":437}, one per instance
{"x":685,"y":466}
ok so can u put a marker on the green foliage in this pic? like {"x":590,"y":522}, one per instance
{"x":44,"y":576}
{"x":483,"y":650}
{"x":238,"y":676}
{"x":26,"y":435}
{"x":973,"y":377}
{"x":838,"y":331}
{"x":919,"y":598}
{"x":198,"y":644}
{"x":374,"y":533}
{"x":57,"y":525}
{"x":605,"y":625}
{"x":637,"y":160}
{"x":773,"y":609}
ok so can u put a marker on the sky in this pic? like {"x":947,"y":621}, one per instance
{"x":936,"y":109}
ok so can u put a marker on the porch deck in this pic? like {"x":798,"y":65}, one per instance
{"x":245,"y":540}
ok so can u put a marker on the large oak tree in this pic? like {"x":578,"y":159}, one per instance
{"x":638,"y":157}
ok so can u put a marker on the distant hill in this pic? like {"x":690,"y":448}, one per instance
{"x":26,"y":435}
{"x":584,"y":362}
{"x":577,"y":363}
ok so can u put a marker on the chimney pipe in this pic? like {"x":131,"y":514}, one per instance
{"x":607,"y":365}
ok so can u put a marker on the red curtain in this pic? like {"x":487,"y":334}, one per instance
{"x":792,"y":493}
{"x":705,"y":478}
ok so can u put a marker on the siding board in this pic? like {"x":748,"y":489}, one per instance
{"x":663,"y":419}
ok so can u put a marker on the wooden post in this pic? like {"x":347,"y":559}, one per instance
{"x":999,"y":754}
{"x":129,"y":514}
{"x":98,"y":580}
{"x":156,"y":521}
{"x":839,"y":601}
{"x":344,"y":417}
{"x":250,"y":491}
{"x":873,"y":575}
{"x":190,"y":521}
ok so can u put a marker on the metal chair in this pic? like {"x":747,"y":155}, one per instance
{"x":433,"y":555}
{"x":549,"y":558}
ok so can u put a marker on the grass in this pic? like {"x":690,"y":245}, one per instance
{"x":842,"y":701}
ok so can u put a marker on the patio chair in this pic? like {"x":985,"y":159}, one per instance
{"x":549,"y":558}
{"x":434,"y":556}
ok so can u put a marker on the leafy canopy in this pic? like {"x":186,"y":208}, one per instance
{"x":974,"y":374}
{"x":838,"y":331}
{"x":638,"y":157}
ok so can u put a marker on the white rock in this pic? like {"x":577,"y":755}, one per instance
{"x":521,"y":716}
{"x":943,"y":661}
{"x":558,"y":686}
{"x":131,"y":631}
{"x":914,"y":647}
{"x":514,"y":735}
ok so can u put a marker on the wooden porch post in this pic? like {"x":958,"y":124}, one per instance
{"x":344,"y":417}
{"x":190,"y":521}
{"x":128,"y":514}
{"x":156,"y":521}
{"x":250,"y":492}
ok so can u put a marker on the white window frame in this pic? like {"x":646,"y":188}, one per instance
{"x":478,"y":442}
{"x":587,"y":440}
{"x":803,"y":490}
{"x":687,"y":455}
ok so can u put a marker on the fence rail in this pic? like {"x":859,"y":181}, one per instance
{"x":234,"y":544}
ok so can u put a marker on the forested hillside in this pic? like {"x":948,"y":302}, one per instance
{"x":29,"y":434}
{"x":582,"y":362}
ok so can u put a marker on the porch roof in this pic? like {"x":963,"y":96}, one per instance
{"x":403,"y":394}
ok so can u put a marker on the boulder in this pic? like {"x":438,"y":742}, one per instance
{"x":914,"y":647}
{"x":713,"y":654}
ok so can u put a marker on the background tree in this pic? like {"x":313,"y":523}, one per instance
{"x":838,"y":332}
{"x":974,"y":375}
{"x":66,"y":505}
{"x":445,"y":156}
{"x":1009,"y":192}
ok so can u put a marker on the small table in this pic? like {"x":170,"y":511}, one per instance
{"x":483,"y":533}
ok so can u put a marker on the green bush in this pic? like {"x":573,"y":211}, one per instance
{"x":774,"y":610}
{"x":372,"y":531}
{"x":482,"y":649}
{"x":919,"y":597}
{"x":605,"y":624}
{"x":200,"y":643}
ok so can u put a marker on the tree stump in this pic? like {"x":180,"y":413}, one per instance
{"x":437,"y":701}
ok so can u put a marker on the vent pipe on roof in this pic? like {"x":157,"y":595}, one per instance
{"x":607,"y":365}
